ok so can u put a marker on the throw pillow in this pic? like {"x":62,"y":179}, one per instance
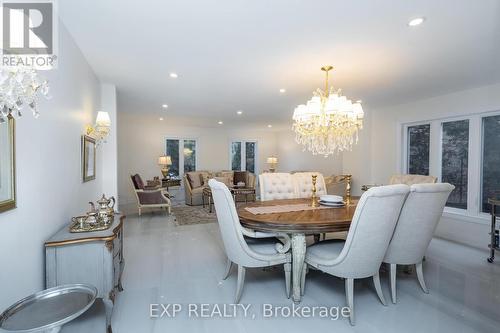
{"x":194,"y":179}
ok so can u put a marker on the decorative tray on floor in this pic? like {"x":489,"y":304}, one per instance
{"x":78,"y":226}
{"x":47,"y":310}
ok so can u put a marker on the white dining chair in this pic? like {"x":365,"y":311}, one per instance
{"x":246,"y":248}
{"x":303,"y":184}
{"x":416,"y":225}
{"x":361,"y":254}
{"x":276,"y":186}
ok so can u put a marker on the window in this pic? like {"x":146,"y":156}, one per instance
{"x":182,"y":160}
{"x":250,"y":156}
{"x":491,"y":161}
{"x":418,"y":149}
{"x":236,"y":156}
{"x":463,"y":151}
{"x":243,"y":156}
{"x":173,"y":152}
{"x":454,"y":160}
{"x":189,"y":155}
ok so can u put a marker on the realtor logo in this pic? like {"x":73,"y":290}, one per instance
{"x":29,"y":35}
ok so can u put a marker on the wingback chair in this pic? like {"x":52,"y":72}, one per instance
{"x":245,"y":251}
{"x":418,"y":220}
{"x":149,"y":196}
{"x":276,"y":185}
{"x":361,"y":255}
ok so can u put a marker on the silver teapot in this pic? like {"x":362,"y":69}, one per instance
{"x":105,"y":210}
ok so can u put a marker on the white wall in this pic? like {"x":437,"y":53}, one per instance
{"x":141,"y":139}
{"x":49,"y":185}
{"x":109,"y":171}
{"x":384,"y":152}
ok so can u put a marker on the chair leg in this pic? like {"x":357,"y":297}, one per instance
{"x":140,"y":211}
{"x":349,"y":295}
{"x":239,"y":285}
{"x":288,"y":278}
{"x":229,"y":264}
{"x":303,"y":280}
{"x":420,"y":276}
{"x":392,"y":272}
{"x":378,"y":288}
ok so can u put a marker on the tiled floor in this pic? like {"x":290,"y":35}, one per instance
{"x":169,"y":264}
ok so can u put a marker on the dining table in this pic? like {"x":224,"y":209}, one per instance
{"x":301,"y":220}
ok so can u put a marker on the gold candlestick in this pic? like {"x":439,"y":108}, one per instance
{"x":314,"y":201}
{"x":347,"y":197}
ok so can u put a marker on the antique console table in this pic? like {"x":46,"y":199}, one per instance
{"x":94,"y":258}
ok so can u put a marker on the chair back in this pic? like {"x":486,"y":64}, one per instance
{"x":235,"y":245}
{"x":274,"y":186}
{"x":137,"y":182}
{"x":303,"y":184}
{"x":371,"y":230}
{"x":416,"y":225}
{"x":411,"y":179}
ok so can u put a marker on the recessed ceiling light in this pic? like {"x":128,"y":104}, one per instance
{"x":239,"y":112}
{"x":220,"y":123}
{"x":282,"y":90}
{"x":174,"y":75}
{"x":161,"y":118}
{"x":416,"y":21}
{"x":269,"y":126}
{"x":164,"y":106}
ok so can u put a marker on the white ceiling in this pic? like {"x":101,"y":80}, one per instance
{"x":237,"y":54}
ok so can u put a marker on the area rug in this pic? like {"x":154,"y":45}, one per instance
{"x":188,"y":215}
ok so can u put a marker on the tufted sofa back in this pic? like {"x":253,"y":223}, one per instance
{"x":275,"y":186}
{"x":303,"y":184}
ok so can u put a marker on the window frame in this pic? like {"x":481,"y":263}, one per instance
{"x":243,"y":160}
{"x":181,"y":151}
{"x":473,"y":213}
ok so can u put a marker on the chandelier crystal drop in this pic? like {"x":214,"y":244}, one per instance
{"x":20,"y":86}
{"x":328,"y":122}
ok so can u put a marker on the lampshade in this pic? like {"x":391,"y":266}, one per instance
{"x":103,"y":119}
{"x":164,"y":160}
{"x":272,"y":160}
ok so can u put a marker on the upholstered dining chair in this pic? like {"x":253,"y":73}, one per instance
{"x":303,"y":184}
{"x":361,"y":255}
{"x":274,"y":186}
{"x":418,"y":220}
{"x":244,"y":247}
{"x":407,"y":179}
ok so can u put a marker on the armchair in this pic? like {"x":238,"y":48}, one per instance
{"x":149,"y":196}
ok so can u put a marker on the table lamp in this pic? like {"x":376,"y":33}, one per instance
{"x":272,"y":161}
{"x":164,"y":161}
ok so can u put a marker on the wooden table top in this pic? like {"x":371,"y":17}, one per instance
{"x":306,"y":221}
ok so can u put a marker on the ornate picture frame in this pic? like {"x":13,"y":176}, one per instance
{"x":7,"y":165}
{"x":88,"y":158}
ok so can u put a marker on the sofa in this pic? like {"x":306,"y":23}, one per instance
{"x":196,"y":181}
{"x":276,"y":186}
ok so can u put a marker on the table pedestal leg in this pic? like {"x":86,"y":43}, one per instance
{"x":298,"y":256}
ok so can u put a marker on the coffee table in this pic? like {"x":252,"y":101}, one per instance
{"x":235,"y":191}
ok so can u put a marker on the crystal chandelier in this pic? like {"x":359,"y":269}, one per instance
{"x":20,"y":86}
{"x":329,"y":122}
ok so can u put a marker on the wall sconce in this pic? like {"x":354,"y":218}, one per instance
{"x":101,"y":128}
{"x":273,"y":162}
{"x":164,"y":161}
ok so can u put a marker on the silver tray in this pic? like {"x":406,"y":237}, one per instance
{"x":47,"y":310}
